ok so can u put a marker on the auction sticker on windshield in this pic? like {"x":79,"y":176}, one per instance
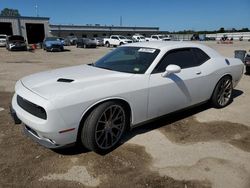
{"x":147,"y":50}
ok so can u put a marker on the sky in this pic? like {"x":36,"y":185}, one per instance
{"x":169,"y":15}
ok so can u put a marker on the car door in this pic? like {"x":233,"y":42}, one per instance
{"x":115,"y":40}
{"x":175,"y":91}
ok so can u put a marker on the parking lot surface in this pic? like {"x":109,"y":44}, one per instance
{"x":199,"y":147}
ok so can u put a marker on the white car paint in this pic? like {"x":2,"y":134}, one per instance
{"x":3,"y":40}
{"x":159,"y":38}
{"x":148,"y":95}
{"x":116,"y":40}
{"x":139,"y":38}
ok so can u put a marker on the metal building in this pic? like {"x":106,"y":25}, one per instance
{"x":33,"y":29}
{"x":99,"y":30}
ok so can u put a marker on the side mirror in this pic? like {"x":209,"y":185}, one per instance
{"x":170,"y":69}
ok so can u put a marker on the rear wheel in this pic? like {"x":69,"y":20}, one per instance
{"x":104,"y":127}
{"x":247,"y":69}
{"x":107,"y":44}
{"x":223,"y":92}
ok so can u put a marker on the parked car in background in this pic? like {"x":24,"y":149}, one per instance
{"x":98,"y":41}
{"x":85,"y":43}
{"x":16,"y":42}
{"x":62,"y":40}
{"x":3,"y":40}
{"x":159,"y":38}
{"x":52,"y":44}
{"x":70,"y":40}
{"x":139,"y":38}
{"x":247,"y":63}
{"x":116,"y":40}
{"x":94,"y":104}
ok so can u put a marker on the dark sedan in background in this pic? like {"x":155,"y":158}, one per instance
{"x":15,"y":42}
{"x":52,"y":44}
{"x":85,"y":43}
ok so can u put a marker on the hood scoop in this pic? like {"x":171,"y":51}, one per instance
{"x":66,"y":80}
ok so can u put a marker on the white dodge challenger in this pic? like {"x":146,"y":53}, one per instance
{"x":94,"y":104}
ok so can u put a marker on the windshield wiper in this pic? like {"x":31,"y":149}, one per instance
{"x":106,"y":68}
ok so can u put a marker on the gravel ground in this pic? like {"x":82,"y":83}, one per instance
{"x":200,"y":147}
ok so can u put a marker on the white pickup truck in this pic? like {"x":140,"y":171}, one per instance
{"x":116,"y":40}
{"x":159,"y":38}
{"x":139,"y":38}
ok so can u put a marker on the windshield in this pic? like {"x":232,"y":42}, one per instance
{"x":52,"y":39}
{"x":122,"y":37}
{"x":16,"y":38}
{"x":134,"y":60}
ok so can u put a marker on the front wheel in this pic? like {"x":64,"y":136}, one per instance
{"x":222,"y":93}
{"x":104,"y":127}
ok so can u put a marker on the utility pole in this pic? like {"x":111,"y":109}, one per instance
{"x":120,"y":20}
{"x":36,"y":7}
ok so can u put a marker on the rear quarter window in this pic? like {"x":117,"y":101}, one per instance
{"x":200,"y":55}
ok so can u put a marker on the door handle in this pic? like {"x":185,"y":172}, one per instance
{"x":198,"y":72}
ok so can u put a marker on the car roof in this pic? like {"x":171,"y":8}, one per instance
{"x":168,"y":45}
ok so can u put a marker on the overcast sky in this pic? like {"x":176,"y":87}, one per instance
{"x":169,"y":15}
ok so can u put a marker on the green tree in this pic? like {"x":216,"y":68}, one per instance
{"x":222,"y":30}
{"x":9,"y":12}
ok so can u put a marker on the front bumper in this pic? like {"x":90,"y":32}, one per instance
{"x":32,"y":134}
{"x":2,"y":44}
{"x":46,"y":132}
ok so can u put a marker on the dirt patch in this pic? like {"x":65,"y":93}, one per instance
{"x":19,"y":62}
{"x":128,"y":166}
{"x":190,"y":130}
{"x":24,"y":163}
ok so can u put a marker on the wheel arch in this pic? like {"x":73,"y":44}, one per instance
{"x":85,"y":114}
{"x":226,"y":74}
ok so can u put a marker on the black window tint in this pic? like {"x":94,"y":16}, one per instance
{"x":200,"y":55}
{"x":181,"y":57}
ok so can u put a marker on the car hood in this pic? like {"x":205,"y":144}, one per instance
{"x":61,"y":82}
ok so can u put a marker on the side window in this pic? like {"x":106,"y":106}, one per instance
{"x":181,"y":57}
{"x":114,"y":37}
{"x":154,"y":37}
{"x":201,"y":56}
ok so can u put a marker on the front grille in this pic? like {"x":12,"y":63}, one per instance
{"x":55,"y":46}
{"x":32,"y":108}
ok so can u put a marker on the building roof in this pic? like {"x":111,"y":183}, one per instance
{"x":98,"y":27}
{"x":24,"y":17}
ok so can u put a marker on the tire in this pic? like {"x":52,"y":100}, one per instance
{"x":121,"y":43}
{"x":107,"y":44}
{"x":104,"y":127}
{"x":222,"y":94}
{"x":247,"y":69}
